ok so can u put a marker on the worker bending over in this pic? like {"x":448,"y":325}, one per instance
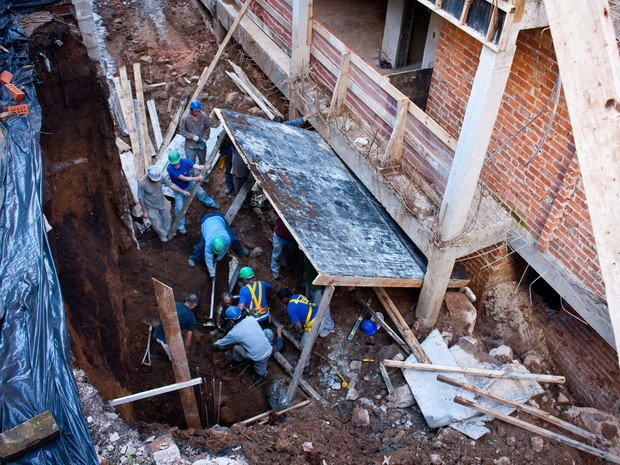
{"x":187,"y":323}
{"x":248,"y":341}
{"x":253,"y":295}
{"x":216,"y":236}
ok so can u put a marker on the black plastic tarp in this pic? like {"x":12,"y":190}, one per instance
{"x":25,"y":5}
{"x":35,"y":374}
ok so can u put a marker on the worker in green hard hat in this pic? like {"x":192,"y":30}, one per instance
{"x":253,"y":295}
{"x":216,"y":237}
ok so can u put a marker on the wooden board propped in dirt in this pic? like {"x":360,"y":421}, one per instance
{"x":342,"y":229}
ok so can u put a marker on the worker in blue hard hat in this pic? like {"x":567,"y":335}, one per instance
{"x":180,"y":171}
{"x":216,"y":237}
{"x":194,"y":127}
{"x":248,"y":341}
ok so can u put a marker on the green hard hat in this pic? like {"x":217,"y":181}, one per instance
{"x":246,"y":272}
{"x":174,"y":157}
{"x":218,"y":245}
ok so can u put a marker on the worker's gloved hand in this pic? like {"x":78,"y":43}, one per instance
{"x":147,"y":223}
{"x":213,"y":346}
{"x":202,"y":145}
{"x":195,"y":138}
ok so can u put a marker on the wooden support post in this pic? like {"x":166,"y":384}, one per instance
{"x":277,"y":413}
{"x":307,"y":350}
{"x":155,"y":392}
{"x":172,"y":127}
{"x":28,"y":436}
{"x":209,"y":163}
{"x":538,"y":430}
{"x":438,"y":272}
{"x":394,"y":150}
{"x":386,"y":378}
{"x":401,"y":325}
{"x":339,"y":96}
{"x":502,"y":374}
{"x":155,"y":123}
{"x":174,"y":339}
{"x":126,"y":104}
{"x":285,"y":333}
{"x":538,"y":413}
{"x":301,"y":36}
{"x":239,"y":199}
{"x":288,"y":368}
{"x":144,"y":129}
{"x":389,"y":330}
{"x":465,"y":12}
{"x":244,"y":88}
{"x":246,"y":81}
{"x":585,"y":46}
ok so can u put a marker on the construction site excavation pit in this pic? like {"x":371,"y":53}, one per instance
{"x":106,"y":265}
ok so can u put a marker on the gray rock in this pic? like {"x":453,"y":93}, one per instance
{"x":231,"y":97}
{"x":562,"y":399}
{"x":502,"y":461}
{"x":402,"y":397}
{"x":502,"y":353}
{"x":114,"y":437}
{"x":146,"y":59}
{"x":537,"y":444}
{"x":447,"y":337}
{"x":511,"y":441}
{"x":435,"y":459}
{"x":360,"y":417}
{"x":352,"y":394}
{"x":533,"y":362}
{"x":355,"y":364}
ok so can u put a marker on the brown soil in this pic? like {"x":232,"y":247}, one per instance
{"x":107,"y":280}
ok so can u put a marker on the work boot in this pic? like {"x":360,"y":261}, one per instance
{"x":276,"y":276}
{"x":256,"y":378}
{"x":216,"y":206}
{"x":244,"y":253}
{"x":182,"y":231}
{"x":163,"y":238}
{"x":229,"y":190}
{"x":191,"y":263}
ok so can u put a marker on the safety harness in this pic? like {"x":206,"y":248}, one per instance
{"x":300,"y":299}
{"x":255,"y":309}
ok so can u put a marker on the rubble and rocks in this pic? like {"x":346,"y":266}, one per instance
{"x":502,"y":353}
{"x":537,"y":444}
{"x":360,"y":417}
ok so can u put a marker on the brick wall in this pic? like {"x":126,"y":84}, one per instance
{"x":588,"y":362}
{"x":542,"y":193}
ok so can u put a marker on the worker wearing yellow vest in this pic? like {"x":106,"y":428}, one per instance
{"x":253,"y":295}
{"x":302,"y":313}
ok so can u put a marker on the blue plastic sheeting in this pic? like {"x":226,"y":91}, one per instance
{"x":35,"y":374}
{"x":25,"y":5}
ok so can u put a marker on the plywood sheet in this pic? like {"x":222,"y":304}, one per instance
{"x":343,"y":230}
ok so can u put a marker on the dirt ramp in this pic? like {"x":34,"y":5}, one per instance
{"x":82,"y":187}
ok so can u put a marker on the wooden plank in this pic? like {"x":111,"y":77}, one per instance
{"x":292,"y":339}
{"x":324,"y":279}
{"x":155,"y":392}
{"x":170,"y":321}
{"x":538,"y":413}
{"x":465,"y":12}
{"x":394,"y":150}
{"x":288,"y":368}
{"x":155,"y":123}
{"x":502,"y":374}
{"x":339,"y":96}
{"x":172,"y":127}
{"x":386,"y":378}
{"x":385,"y":85}
{"x":402,"y":326}
{"x":144,"y":129}
{"x":387,"y":328}
{"x":122,"y":145}
{"x":207,"y":167}
{"x":128,"y":96}
{"x":238,"y":202}
{"x":301,"y":36}
{"x":28,"y":436}
{"x":307,"y":350}
{"x":586,"y":49}
{"x":270,"y":412}
{"x":538,"y":430}
{"x":244,"y":88}
{"x":130,"y":122}
{"x":246,"y":80}
{"x":285,"y":23}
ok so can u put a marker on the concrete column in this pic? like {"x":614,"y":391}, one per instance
{"x":88,"y":27}
{"x":397,"y":32}
{"x":480,"y":116}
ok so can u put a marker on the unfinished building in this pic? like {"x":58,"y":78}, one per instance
{"x":485,"y":150}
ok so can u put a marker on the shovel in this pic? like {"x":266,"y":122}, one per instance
{"x":146,"y":360}
{"x":210,"y":323}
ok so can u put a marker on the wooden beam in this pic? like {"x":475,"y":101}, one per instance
{"x":172,"y":127}
{"x":155,"y":123}
{"x":385,"y":326}
{"x":246,"y":80}
{"x":307,"y":350}
{"x":244,"y":88}
{"x":292,"y":339}
{"x":276,"y":412}
{"x":339,"y":96}
{"x":587,"y":53}
{"x":301,"y":36}
{"x":288,"y":368}
{"x":122,"y":145}
{"x":239,"y":199}
{"x":502,"y":374}
{"x":538,"y":430}
{"x":401,"y":325}
{"x":386,"y":378}
{"x":394,"y":150}
{"x":538,"y":413}
{"x":144,"y":129}
{"x":207,"y":167}
{"x":28,"y":436}
{"x":362,"y":281}
{"x":130,"y":121}
{"x":155,"y":392}
{"x":174,"y":339}
{"x":436,"y":282}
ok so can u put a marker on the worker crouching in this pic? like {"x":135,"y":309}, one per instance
{"x":248,"y":341}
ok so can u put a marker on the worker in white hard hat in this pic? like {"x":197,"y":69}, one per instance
{"x":155,"y":207}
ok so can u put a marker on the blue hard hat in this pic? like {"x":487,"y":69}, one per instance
{"x":232,"y":313}
{"x":368,"y":327}
{"x":195,"y":105}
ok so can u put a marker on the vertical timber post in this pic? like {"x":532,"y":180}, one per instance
{"x":301,"y":38}
{"x":170,"y":321}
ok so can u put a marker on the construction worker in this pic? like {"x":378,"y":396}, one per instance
{"x":302,"y":313}
{"x":187,"y":323}
{"x":283,"y":245}
{"x":194,"y":127}
{"x":226,"y":156}
{"x":253,"y":295}
{"x":315,"y":292}
{"x":179,"y":170}
{"x":216,"y":236}
{"x":296,"y":122}
{"x":248,"y":341}
{"x":228,"y":300}
{"x":155,"y":207}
